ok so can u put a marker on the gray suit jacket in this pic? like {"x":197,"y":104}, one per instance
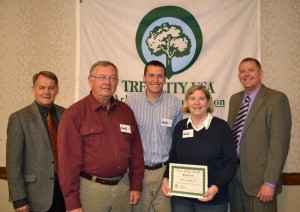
{"x":265,"y":139}
{"x":29,"y":158}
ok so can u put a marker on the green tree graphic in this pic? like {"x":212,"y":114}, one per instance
{"x":169,"y":40}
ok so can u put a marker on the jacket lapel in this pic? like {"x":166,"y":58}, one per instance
{"x":59,"y":111}
{"x":256,"y":106}
{"x":39,"y":124}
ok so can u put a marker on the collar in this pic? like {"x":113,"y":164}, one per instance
{"x":205,"y":123}
{"x":96,"y":105}
{"x":252,"y":95}
{"x":158,"y":100}
{"x":44,"y":110}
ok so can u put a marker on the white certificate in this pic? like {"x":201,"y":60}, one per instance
{"x":187,"y":180}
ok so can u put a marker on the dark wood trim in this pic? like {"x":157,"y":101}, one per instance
{"x":3,"y":173}
{"x":287,"y":178}
{"x":291,"y":179}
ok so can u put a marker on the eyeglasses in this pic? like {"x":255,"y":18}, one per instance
{"x":104,"y":77}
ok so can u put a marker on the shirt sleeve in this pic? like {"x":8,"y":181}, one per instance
{"x":178,"y":114}
{"x":172,"y":154}
{"x":136,"y":166}
{"x":230,"y":164}
{"x":14,"y":159}
{"x":70,"y":159}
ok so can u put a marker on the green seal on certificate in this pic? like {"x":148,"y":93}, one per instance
{"x":187,"y":180}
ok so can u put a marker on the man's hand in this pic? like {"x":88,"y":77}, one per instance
{"x":24,"y":208}
{"x":209,"y":194}
{"x":266,"y":193}
{"x":165,"y":187}
{"x":134,"y":197}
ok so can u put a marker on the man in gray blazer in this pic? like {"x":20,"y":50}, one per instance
{"x":263,"y":145}
{"x":32,"y":181}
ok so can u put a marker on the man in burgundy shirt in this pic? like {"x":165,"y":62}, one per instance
{"x":100,"y":151}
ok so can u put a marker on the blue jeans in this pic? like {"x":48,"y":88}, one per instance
{"x":181,"y":204}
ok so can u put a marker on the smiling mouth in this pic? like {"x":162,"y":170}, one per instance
{"x":248,"y":79}
{"x":197,"y":108}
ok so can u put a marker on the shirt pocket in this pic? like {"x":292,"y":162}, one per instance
{"x":92,"y":134}
{"x":86,"y":130}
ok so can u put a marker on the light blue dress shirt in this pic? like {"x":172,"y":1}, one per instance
{"x":156,"y":122}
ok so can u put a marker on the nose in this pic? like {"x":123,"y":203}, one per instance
{"x":47,"y":90}
{"x":197,"y":101}
{"x":246,"y":73}
{"x":107,"y":80}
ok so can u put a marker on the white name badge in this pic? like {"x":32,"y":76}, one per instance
{"x":188,"y":133}
{"x":125,"y":128}
{"x":166,"y":122}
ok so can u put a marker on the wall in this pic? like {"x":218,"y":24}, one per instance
{"x":280,"y":52}
{"x":35,"y":35}
{"x":5,"y":206}
{"x":40,"y":35}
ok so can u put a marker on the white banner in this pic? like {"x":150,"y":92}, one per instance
{"x":199,"y":42}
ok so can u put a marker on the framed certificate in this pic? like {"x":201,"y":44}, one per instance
{"x":187,"y":180}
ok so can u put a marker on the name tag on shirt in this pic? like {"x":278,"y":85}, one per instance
{"x":125,"y":128}
{"x":188,"y":133}
{"x":166,"y":122}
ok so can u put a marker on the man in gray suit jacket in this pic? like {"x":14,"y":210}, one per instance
{"x":32,"y":181}
{"x":263,"y":144}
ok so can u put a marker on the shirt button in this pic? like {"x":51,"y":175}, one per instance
{"x":92,"y":130}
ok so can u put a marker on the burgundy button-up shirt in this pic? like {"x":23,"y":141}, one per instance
{"x":98,"y":141}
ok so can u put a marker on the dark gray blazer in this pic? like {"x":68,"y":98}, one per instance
{"x":265,"y":140}
{"x":29,"y":158}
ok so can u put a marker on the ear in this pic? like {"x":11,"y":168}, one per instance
{"x":57,"y":91}
{"x":261,"y":74}
{"x":90,"y":80}
{"x":33,"y":89}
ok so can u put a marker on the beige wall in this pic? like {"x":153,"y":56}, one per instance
{"x":40,"y":35}
{"x":280,"y":52}
{"x":4,"y":204}
{"x":35,"y":35}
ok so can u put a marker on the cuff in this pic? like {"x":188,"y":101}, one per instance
{"x":19,"y":203}
{"x":270,"y":184}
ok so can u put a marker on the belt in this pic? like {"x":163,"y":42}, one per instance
{"x":156,"y":166}
{"x":105,"y":181}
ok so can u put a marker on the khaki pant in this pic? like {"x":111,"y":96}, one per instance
{"x":103,"y":198}
{"x":152,"y":194}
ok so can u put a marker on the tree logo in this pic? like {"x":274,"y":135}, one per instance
{"x":171,"y":35}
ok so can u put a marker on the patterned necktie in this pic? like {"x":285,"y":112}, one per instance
{"x":239,"y":123}
{"x":53,"y":138}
